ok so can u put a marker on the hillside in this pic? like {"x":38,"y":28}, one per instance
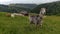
{"x":51,"y":8}
{"x":30,"y":6}
{"x":16,"y":7}
{"x":3,"y":8}
{"x":20,"y":25}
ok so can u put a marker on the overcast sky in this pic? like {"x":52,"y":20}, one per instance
{"x":25,"y":1}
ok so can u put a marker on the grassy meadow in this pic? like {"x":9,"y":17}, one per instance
{"x":20,"y":25}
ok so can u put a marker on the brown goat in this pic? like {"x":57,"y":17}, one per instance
{"x":8,"y":14}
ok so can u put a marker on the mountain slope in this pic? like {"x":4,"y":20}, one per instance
{"x":16,"y":7}
{"x":30,"y":6}
{"x":51,"y":8}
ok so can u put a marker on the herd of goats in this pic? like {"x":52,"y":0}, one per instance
{"x":37,"y":20}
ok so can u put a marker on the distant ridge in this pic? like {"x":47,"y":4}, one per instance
{"x":30,"y":6}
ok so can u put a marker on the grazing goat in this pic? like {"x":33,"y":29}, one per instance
{"x":13,"y":14}
{"x":16,"y":14}
{"x":37,"y":19}
{"x":8,"y":14}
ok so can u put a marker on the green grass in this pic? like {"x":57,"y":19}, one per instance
{"x":20,"y":25}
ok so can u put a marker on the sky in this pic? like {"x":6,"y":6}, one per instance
{"x":25,"y":1}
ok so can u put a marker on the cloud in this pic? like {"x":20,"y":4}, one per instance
{"x":5,"y":1}
{"x":32,"y":1}
{"x":25,"y":1}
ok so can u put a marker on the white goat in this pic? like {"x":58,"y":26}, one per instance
{"x":37,"y":20}
{"x":16,"y":14}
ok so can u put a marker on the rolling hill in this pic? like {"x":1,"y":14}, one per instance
{"x":30,"y":6}
{"x":51,"y":8}
{"x":16,"y":7}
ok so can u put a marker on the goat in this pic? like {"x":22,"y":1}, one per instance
{"x":37,"y":19}
{"x":8,"y":14}
{"x":16,"y":14}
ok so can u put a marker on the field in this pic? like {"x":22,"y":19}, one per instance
{"x":20,"y":25}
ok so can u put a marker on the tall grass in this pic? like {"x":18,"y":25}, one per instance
{"x":20,"y":25}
